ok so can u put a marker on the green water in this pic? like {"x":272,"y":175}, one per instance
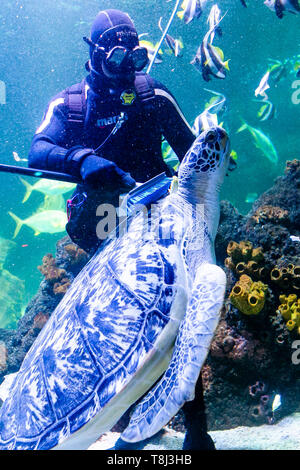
{"x":42,"y":52}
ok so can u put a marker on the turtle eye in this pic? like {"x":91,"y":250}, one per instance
{"x":210,"y":137}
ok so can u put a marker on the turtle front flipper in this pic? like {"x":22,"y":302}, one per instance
{"x":192,"y":344}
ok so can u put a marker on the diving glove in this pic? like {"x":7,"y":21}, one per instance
{"x":99,"y":172}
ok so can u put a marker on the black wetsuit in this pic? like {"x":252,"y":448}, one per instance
{"x":136,"y":146}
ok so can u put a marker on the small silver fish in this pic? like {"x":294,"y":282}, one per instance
{"x":19,"y":159}
{"x":294,"y":238}
{"x":276,"y":402}
{"x":81,"y":23}
{"x":263,"y":86}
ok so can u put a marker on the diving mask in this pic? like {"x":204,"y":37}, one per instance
{"x":120,"y":58}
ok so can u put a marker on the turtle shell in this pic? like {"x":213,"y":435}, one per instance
{"x":102,"y":334}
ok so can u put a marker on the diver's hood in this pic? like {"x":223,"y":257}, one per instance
{"x":110,"y":28}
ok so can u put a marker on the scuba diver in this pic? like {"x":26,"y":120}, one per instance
{"x":107,"y":131}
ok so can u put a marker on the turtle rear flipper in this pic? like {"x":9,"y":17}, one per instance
{"x":192,"y":344}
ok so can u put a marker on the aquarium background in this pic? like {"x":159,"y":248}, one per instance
{"x":42,"y":52}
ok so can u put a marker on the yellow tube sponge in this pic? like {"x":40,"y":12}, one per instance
{"x":290,"y":310}
{"x":244,"y":259}
{"x":234,"y":251}
{"x":287,"y":277}
{"x":285,"y":311}
{"x":291,"y":325}
{"x":248,"y":296}
{"x":246,"y":248}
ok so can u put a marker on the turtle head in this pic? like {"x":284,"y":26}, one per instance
{"x":205,"y":164}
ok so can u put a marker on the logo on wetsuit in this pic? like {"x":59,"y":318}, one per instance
{"x":109,"y":121}
{"x":128,"y":97}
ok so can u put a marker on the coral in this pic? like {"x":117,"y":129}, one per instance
{"x":257,"y":389}
{"x":292,"y":166}
{"x":244,"y":259}
{"x":50,"y":270}
{"x":207,"y":376}
{"x":256,"y":412}
{"x":40,"y":320}
{"x":290,"y":311}
{"x":60,"y":288}
{"x":264,"y":399}
{"x":56,"y":276}
{"x":248,"y":296}
{"x":286,"y":276}
{"x":228,"y":344}
{"x":268,"y":213}
{"x":76,"y":255}
{"x":239,"y":251}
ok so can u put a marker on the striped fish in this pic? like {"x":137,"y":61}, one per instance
{"x":277,"y":69}
{"x":175,"y":45}
{"x":267,"y":110}
{"x":190,"y":9}
{"x":213,"y":20}
{"x":204,"y":121}
{"x":209,"y":60}
{"x":209,"y":117}
{"x":217,"y":103}
{"x":279,"y":6}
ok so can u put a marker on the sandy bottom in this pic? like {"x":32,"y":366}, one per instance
{"x":281,"y":436}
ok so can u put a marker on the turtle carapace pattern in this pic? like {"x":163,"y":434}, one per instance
{"x":141,"y":312}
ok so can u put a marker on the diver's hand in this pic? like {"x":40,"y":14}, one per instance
{"x":99,"y":172}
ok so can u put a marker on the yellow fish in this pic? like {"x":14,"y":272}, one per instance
{"x":51,"y":221}
{"x":151,"y":48}
{"x":48,"y":187}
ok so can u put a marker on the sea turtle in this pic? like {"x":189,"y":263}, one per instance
{"x":112,"y":336}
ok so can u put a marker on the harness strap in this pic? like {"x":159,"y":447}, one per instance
{"x":76,"y":103}
{"x":145,"y":90}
